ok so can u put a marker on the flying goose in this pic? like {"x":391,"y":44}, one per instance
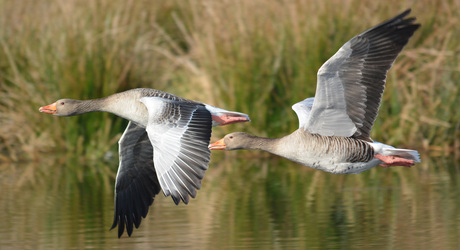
{"x":164,"y":147}
{"x":334,"y":126}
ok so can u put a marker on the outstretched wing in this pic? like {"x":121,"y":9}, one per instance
{"x":351,"y":83}
{"x":180,"y":133}
{"x":137,"y":183}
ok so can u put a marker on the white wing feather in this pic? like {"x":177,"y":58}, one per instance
{"x":303,"y":109}
{"x":180,"y":144}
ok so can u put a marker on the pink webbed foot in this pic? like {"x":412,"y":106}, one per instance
{"x":229,"y":119}
{"x":391,"y":160}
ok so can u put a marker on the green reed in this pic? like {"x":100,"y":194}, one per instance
{"x":255,"y":57}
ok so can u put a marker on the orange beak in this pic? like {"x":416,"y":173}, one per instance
{"x":220,"y":144}
{"x":50,"y":109}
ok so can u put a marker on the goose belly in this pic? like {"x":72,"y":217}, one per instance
{"x":335,"y":164}
{"x":332,"y":154}
{"x":345,"y":167}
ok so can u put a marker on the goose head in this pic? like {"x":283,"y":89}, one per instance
{"x":65,"y":107}
{"x":233,"y":141}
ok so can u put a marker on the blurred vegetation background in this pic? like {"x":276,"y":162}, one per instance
{"x":258,"y":57}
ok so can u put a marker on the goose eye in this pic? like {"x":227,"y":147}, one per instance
{"x":230,"y":137}
{"x":62,"y":103}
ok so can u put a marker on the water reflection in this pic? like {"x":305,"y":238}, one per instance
{"x":267,"y":203}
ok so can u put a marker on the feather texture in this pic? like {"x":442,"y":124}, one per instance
{"x":351,"y":83}
{"x":136,"y":184}
{"x":180,"y":140}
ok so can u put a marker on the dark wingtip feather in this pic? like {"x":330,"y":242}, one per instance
{"x":121,"y":229}
{"x":129,"y":225}
{"x":405,"y":13}
{"x":395,"y":21}
{"x":397,"y":17}
{"x":115,"y":222}
{"x":175,"y":199}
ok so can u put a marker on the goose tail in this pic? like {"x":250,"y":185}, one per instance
{"x":384,"y":152}
{"x":222,"y":117}
{"x":403,"y":153}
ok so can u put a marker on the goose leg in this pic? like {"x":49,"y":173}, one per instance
{"x":391,"y":160}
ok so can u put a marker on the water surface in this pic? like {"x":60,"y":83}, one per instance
{"x":250,"y":202}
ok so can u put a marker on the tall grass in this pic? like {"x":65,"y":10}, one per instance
{"x":257,"y":57}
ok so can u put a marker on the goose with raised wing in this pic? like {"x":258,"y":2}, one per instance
{"x":164,"y":147}
{"x":335,"y":125}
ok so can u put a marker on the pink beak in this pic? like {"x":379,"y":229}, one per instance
{"x":50,"y":109}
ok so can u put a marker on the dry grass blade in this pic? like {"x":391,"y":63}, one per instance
{"x":256,"y":57}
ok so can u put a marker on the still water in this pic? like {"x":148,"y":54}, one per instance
{"x":245,"y":202}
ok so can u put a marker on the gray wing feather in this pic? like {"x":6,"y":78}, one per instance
{"x":136,"y":183}
{"x":180,"y":133}
{"x":351,"y":83}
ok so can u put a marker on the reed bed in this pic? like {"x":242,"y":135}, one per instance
{"x":258,"y":57}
